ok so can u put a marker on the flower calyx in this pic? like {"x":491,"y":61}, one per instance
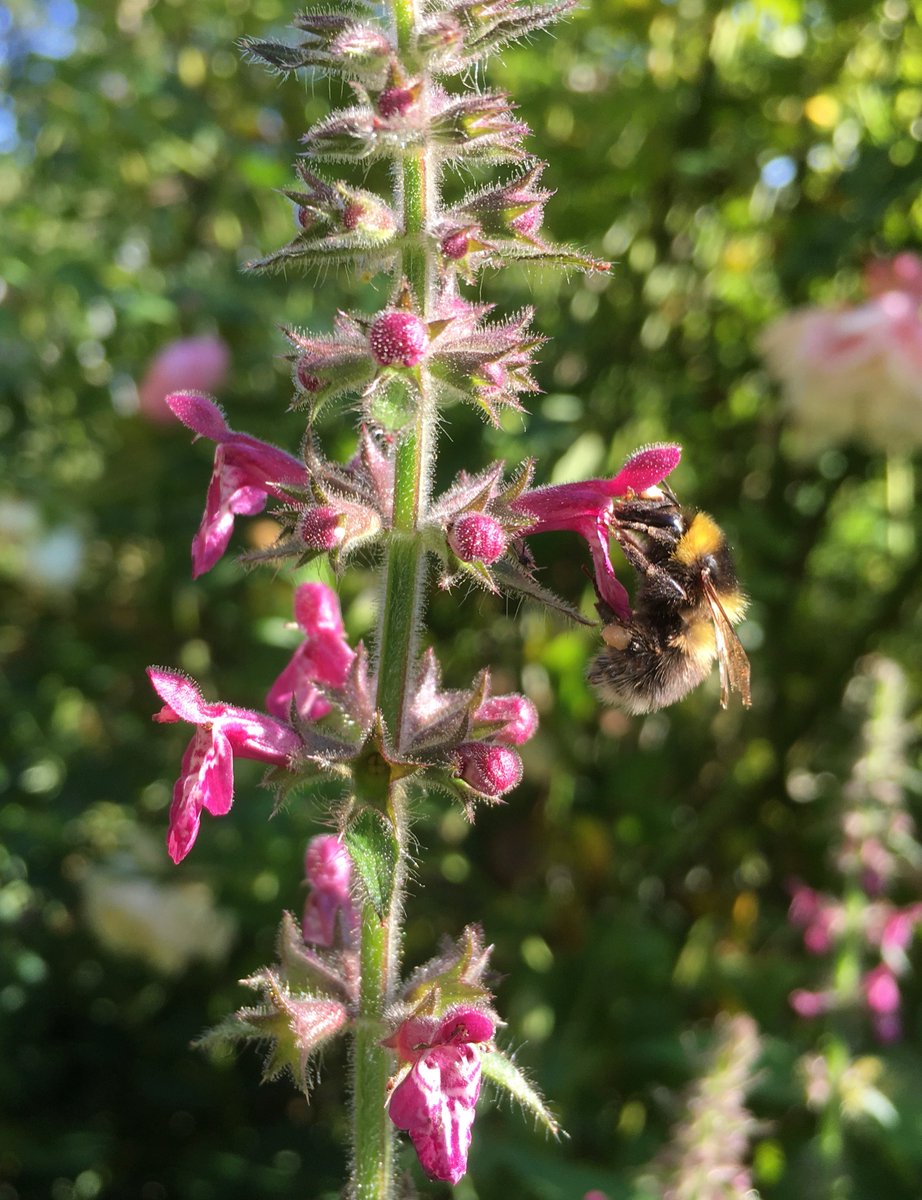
{"x":400,"y":119}
{"x":467,"y":738}
{"x":456,"y":34}
{"x":502,"y":222}
{"x":296,"y":1026}
{"x":341,"y":44}
{"x":338,"y":225}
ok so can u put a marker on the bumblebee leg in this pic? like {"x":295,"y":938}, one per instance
{"x":643,"y":566}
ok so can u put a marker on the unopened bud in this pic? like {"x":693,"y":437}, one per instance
{"x":396,"y":101}
{"x":364,"y":213}
{"x":456,"y":245}
{"x":442,"y":34}
{"x":307,"y":218}
{"x":489,"y":769}
{"x":477,"y":537}
{"x":361,"y":44}
{"x":398,"y":339}
{"x":321,"y":528}
{"x":527,"y":222}
{"x":305,"y":378}
{"x":518,"y":714}
{"x":493,"y":374}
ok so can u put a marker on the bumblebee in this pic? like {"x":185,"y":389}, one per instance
{"x":687,"y":603}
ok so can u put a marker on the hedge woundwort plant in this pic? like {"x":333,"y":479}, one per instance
{"x":378,"y":721}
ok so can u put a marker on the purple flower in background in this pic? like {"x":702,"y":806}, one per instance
{"x":435,"y":1100}
{"x":223,"y":732}
{"x":246,"y":472}
{"x":197,"y":364}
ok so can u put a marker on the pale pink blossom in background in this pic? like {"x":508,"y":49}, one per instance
{"x":900,"y":274}
{"x":196,"y":364}
{"x":855,"y":373}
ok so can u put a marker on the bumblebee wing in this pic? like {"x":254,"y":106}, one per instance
{"x":731,"y":657}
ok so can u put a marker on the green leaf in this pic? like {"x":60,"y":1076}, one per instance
{"x":374,"y":849}
{"x":502,"y":1071}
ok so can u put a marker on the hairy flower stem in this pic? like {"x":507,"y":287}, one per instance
{"x":373,"y":1133}
{"x":401,"y":613}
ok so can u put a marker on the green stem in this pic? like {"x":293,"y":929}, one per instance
{"x":398,"y":630}
{"x":373,"y":1165}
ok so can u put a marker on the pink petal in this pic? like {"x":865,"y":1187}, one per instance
{"x":317,"y":609}
{"x":181,"y":695}
{"x":186,"y":808}
{"x":435,"y":1104}
{"x":200,"y":414}
{"x":295,"y":685}
{"x":216,"y":775}
{"x":645,"y":468}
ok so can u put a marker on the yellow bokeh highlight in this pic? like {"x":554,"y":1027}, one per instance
{"x":822,"y":110}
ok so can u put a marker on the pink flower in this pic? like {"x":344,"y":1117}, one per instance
{"x":324,"y":657}
{"x":196,"y":364}
{"x":246,"y":472}
{"x":587,"y":508}
{"x":435,"y":1100}
{"x":206,"y":780}
{"x":899,"y":928}
{"x":329,"y":914}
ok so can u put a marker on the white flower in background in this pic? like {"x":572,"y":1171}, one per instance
{"x":169,"y":925}
{"x":855,"y":373}
{"x":47,"y":557}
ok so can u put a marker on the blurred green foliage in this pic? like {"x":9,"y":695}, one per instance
{"x":734,"y":161}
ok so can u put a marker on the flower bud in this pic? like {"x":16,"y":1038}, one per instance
{"x":396,"y":101}
{"x":305,"y":378}
{"x":527,"y":220}
{"x":456,"y":245}
{"x":518,"y":714}
{"x":321,"y":528}
{"x":329,"y":914}
{"x":477,"y":537}
{"x":489,"y":769}
{"x":364,"y":213}
{"x":398,"y":339}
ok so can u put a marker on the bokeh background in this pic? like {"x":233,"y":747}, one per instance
{"x":734,"y":161}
